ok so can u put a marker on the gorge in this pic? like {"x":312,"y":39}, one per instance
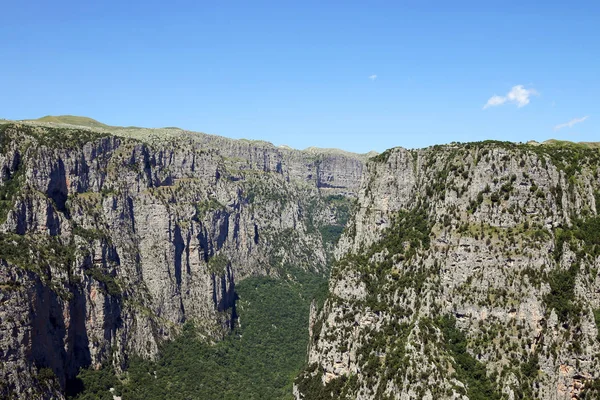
{"x":459,"y":271}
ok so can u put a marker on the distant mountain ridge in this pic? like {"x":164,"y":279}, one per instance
{"x":70,"y":120}
{"x":592,"y":145}
{"x":149,"y":134}
{"x":92,"y":123}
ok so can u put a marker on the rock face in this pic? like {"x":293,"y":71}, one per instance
{"x":469,"y":271}
{"x":110,"y":241}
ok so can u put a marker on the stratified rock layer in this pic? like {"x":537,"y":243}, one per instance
{"x":468,"y":271}
{"x":110,"y":240}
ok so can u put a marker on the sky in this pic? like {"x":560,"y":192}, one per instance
{"x":355,"y":75}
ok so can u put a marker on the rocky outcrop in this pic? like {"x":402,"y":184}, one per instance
{"x":469,"y":271}
{"x":111,"y":240}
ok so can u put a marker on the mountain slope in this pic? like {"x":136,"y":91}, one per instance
{"x":71,"y":120}
{"x":563,"y":143}
{"x":468,"y":271}
{"x":109,"y":243}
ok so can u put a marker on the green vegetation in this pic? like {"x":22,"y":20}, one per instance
{"x":566,"y":156}
{"x":588,"y":231}
{"x":92,"y":384}
{"x":89,"y":234}
{"x":331,"y":233}
{"x":383,"y":358}
{"x":591,"y":390}
{"x":597,"y":319}
{"x":562,"y":293}
{"x":258,"y":360}
{"x":528,"y":374}
{"x":583,"y":237}
{"x":68,"y":138}
{"x":383,"y":157}
{"x":53,"y":137}
{"x":8,"y":191}
{"x":41,"y":254}
{"x":583,"y":145}
{"x":36,"y":254}
{"x":408,"y":232}
{"x":207,"y":206}
{"x":46,"y":376}
{"x":569,"y":158}
{"x":310,"y":384}
{"x":261,"y":188}
{"x":468,"y":369}
{"x":110,"y":285}
{"x":343,"y":208}
{"x":218,"y":264}
{"x":4,"y":136}
{"x":72,"y":120}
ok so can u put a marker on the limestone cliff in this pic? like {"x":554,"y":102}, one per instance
{"x":111,"y":238}
{"x":470,"y":271}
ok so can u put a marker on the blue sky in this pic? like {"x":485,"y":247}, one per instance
{"x":355,"y":75}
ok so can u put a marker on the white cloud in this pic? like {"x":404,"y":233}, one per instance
{"x":373,"y":77}
{"x":495,"y":101}
{"x":571,"y":123}
{"x":518,"y":95}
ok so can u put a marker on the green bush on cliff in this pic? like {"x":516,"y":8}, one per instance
{"x":8,"y":191}
{"x":468,"y":369}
